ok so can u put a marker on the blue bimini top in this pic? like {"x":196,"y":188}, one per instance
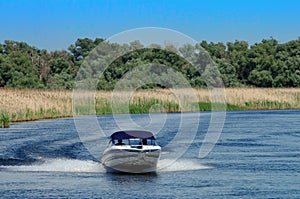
{"x":132,"y":134}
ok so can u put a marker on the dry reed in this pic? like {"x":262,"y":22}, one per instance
{"x":24,"y":104}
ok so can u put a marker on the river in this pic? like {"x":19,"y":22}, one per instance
{"x":256,"y":156}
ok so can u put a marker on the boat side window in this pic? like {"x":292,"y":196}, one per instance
{"x":148,"y":142}
{"x":152,"y":142}
{"x":126,"y":141}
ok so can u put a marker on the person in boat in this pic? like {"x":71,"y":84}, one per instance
{"x":119,"y":142}
{"x":144,"y":141}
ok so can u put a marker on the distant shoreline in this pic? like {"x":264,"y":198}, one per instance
{"x":28,"y":105}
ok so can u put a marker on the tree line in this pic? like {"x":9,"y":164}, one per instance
{"x":265,"y":64}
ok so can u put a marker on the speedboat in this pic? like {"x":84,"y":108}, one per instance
{"x":131,"y":151}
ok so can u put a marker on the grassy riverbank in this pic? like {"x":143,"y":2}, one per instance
{"x":26,"y":105}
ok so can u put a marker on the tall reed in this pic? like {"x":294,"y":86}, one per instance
{"x":24,"y":104}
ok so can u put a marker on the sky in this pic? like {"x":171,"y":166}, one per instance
{"x":56,"y":24}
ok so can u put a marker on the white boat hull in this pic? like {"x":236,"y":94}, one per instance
{"x":131,"y":160}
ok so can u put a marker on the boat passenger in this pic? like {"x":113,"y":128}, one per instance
{"x":144,"y":141}
{"x":120,"y":142}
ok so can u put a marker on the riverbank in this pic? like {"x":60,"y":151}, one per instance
{"x":27,"y":105}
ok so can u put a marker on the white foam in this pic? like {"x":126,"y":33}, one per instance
{"x":89,"y":166}
{"x":169,"y":165}
{"x":61,"y":165}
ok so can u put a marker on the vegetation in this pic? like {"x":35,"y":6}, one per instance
{"x":264,"y":64}
{"x":35,"y":83}
{"x":4,"y":121}
{"x":25,"y":104}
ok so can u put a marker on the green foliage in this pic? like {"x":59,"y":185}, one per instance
{"x":264,"y":64}
{"x":4,"y":120}
{"x":261,"y":78}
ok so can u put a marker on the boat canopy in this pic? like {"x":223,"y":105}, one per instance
{"x":132,"y":134}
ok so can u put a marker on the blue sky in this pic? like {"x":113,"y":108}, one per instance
{"x":55,"y":24}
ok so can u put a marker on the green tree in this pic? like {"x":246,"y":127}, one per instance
{"x":261,"y":78}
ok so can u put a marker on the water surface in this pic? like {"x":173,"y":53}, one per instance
{"x":257,"y":156}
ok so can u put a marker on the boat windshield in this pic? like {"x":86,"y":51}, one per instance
{"x":134,"y":142}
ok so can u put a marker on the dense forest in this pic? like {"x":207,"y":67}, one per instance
{"x":265,"y":64}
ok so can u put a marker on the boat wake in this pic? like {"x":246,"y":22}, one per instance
{"x":89,"y":166}
{"x":59,"y":165}
{"x":180,"y":165}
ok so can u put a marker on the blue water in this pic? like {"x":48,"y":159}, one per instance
{"x":257,"y":156}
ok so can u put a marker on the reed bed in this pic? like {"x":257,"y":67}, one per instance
{"x":26,"y":105}
{"x":264,"y":98}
